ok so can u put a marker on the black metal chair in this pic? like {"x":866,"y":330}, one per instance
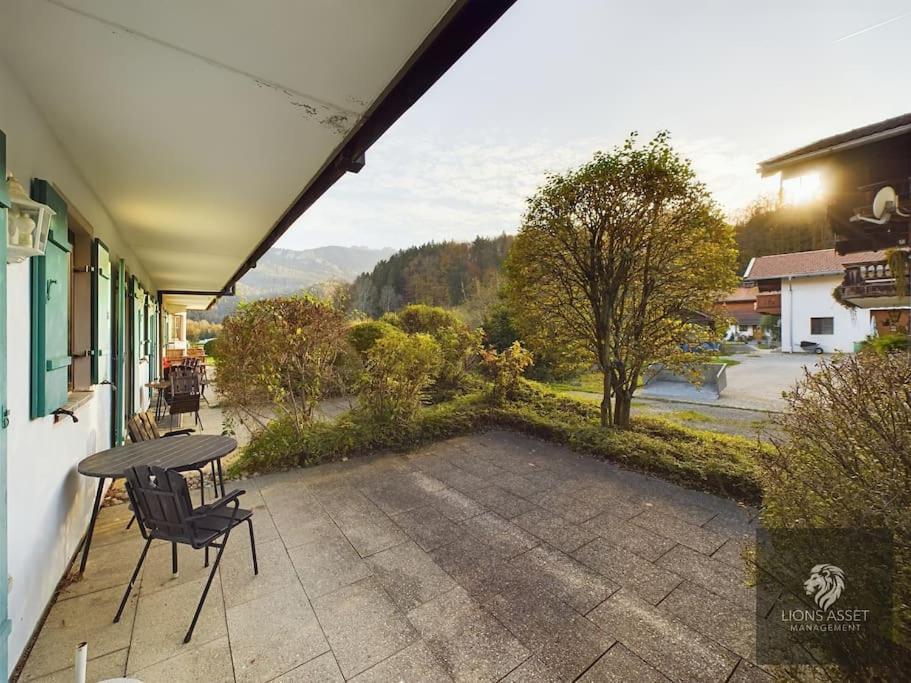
{"x":185,"y":394}
{"x":161,"y":501}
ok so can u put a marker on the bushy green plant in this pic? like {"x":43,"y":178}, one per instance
{"x":505,"y":368}
{"x":844,"y":460}
{"x":211,"y":348}
{"x":499,"y":327}
{"x":459,"y":345}
{"x":278,"y":358}
{"x":363,"y":335}
{"x":399,"y":369}
{"x":888,"y":343}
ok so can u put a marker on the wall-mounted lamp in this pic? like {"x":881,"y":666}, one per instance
{"x":27,"y":225}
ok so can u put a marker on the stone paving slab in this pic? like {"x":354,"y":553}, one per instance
{"x":418,"y":567}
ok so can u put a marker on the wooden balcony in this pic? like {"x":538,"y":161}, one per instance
{"x":872,"y":285}
{"x":768,"y":303}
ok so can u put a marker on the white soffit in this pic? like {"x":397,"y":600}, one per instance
{"x":199,"y":122}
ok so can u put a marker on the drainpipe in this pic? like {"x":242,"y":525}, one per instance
{"x":790,"y":315}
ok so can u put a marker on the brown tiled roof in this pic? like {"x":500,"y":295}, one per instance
{"x":746,"y":317}
{"x":804,"y":263}
{"x":740,"y":294}
{"x":881,"y":127}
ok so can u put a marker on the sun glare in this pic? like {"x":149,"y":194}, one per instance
{"x":802,"y":189}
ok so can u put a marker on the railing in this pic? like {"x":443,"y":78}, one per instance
{"x":768,"y":303}
{"x":870,"y":280}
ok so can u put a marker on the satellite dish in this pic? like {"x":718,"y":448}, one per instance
{"x":885,"y":202}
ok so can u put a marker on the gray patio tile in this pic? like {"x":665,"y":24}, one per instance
{"x":110,"y":525}
{"x":273,"y":635}
{"x":713,"y":616}
{"x":107,"y":568}
{"x":455,"y":505}
{"x":470,"y":644}
{"x":401,"y":493}
{"x":735,"y":522}
{"x":163,"y":618}
{"x":263,"y":526}
{"x":532,"y":670}
{"x":428,"y":527}
{"x":457,"y":478}
{"x":628,"y":569}
{"x":679,"y":509}
{"x":209,"y":662}
{"x":619,"y":532}
{"x":572,"y":509}
{"x":503,"y":537}
{"x":749,"y":673}
{"x":325,"y":566}
{"x":409,"y":575}
{"x":241,"y":584}
{"x":475,"y":465}
{"x":362,"y":522}
{"x":322,"y":669}
{"x":554,"y":529}
{"x":111,"y":665}
{"x":732,"y":552}
{"x":517,"y":484}
{"x":619,"y":665}
{"x":82,"y":618}
{"x":474,"y":567}
{"x":297,"y":526}
{"x":569,"y":580}
{"x":610,"y":502}
{"x":415,"y":663}
{"x":564,"y":640}
{"x":674,"y":649}
{"x":504,"y":503}
{"x":156,"y":572}
{"x":718,"y":577}
{"x":697,"y":538}
{"x":362,"y":625}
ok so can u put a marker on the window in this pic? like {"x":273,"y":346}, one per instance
{"x":822,"y":326}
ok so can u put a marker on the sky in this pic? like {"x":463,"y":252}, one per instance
{"x":553,"y":81}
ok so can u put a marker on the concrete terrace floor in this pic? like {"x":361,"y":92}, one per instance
{"x":483,"y":558}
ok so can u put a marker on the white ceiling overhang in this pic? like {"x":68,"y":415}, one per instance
{"x":200,"y":124}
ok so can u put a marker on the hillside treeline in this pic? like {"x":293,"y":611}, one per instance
{"x":445,"y":274}
{"x":767,"y":229}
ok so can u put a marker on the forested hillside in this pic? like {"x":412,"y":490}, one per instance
{"x":286,"y":271}
{"x":766,"y":229}
{"x":449,"y":274}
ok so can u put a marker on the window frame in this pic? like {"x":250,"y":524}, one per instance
{"x":821,"y":320}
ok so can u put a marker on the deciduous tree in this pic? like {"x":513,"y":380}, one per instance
{"x":614,"y":258}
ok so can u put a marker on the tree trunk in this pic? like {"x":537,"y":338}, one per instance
{"x":605,"y":398}
{"x":622,"y":401}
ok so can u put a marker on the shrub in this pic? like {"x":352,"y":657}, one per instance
{"x":505,"y":369}
{"x":400,"y":367}
{"x":888,"y":343}
{"x":362,"y":336}
{"x":844,"y":459}
{"x":499,"y":328}
{"x":459,"y":345}
{"x":210,"y":348}
{"x":278,"y":358}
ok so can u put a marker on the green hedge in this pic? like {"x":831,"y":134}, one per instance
{"x":714,"y":462}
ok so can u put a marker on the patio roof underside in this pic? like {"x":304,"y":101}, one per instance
{"x":198,"y":125}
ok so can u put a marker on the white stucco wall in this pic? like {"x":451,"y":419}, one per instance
{"x":48,"y":501}
{"x":811,"y":297}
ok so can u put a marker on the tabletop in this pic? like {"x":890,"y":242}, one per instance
{"x":168,"y":453}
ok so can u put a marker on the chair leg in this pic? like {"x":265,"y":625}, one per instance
{"x":206,"y":552}
{"x":205,"y":591}
{"x":202,"y":486}
{"x":253,"y":546}
{"x":126,"y":594}
{"x":130,"y":523}
{"x":214,"y":479}
{"x":199,"y":422}
{"x":174,"y":559}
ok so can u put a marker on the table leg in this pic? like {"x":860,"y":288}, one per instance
{"x":221,"y":477}
{"x":88,"y":535}
{"x":158,"y":407}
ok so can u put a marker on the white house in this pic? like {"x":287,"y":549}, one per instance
{"x":799,"y":289}
{"x":175,"y":146}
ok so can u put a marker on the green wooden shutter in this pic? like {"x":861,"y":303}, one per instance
{"x":153,"y":344}
{"x":50,"y":280}
{"x":4,"y":192}
{"x":5,"y":623}
{"x":101,"y":313}
{"x":120,"y":353}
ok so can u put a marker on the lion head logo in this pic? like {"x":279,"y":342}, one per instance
{"x":825,"y":584}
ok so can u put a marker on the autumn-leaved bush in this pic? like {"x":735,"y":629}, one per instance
{"x":844,"y":460}
{"x":459,"y":344}
{"x":278,"y":358}
{"x":505,"y":368}
{"x":399,"y":369}
{"x":363,"y":335}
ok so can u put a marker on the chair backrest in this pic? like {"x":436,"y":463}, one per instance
{"x":161,"y":502}
{"x":184,"y":393}
{"x":174,"y":354}
{"x":142,"y":427}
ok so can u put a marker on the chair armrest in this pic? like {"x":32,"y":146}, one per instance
{"x":178,"y":432}
{"x":225,"y":500}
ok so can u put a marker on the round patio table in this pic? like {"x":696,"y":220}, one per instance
{"x":176,"y":452}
